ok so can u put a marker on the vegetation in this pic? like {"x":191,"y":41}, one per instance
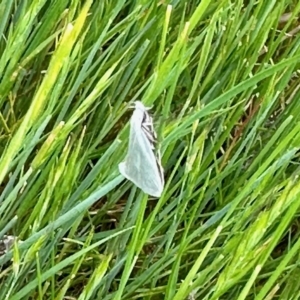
{"x":222,"y":80}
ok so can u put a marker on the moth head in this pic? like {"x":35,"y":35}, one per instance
{"x":139,"y":105}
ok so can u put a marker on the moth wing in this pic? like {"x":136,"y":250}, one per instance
{"x":140,"y":165}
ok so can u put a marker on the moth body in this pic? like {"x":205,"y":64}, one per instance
{"x":141,"y":166}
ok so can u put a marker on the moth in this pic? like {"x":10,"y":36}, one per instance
{"x":142,"y":165}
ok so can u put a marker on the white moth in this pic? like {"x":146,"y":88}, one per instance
{"x":141,"y":165}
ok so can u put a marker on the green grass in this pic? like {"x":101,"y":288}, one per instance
{"x":222,"y":78}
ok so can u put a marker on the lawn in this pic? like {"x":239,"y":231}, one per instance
{"x":221,"y":79}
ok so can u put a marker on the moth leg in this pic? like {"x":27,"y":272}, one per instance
{"x":150,"y":135}
{"x":147,"y":125}
{"x":150,"y":129}
{"x":151,"y":140}
{"x":160,"y":167}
